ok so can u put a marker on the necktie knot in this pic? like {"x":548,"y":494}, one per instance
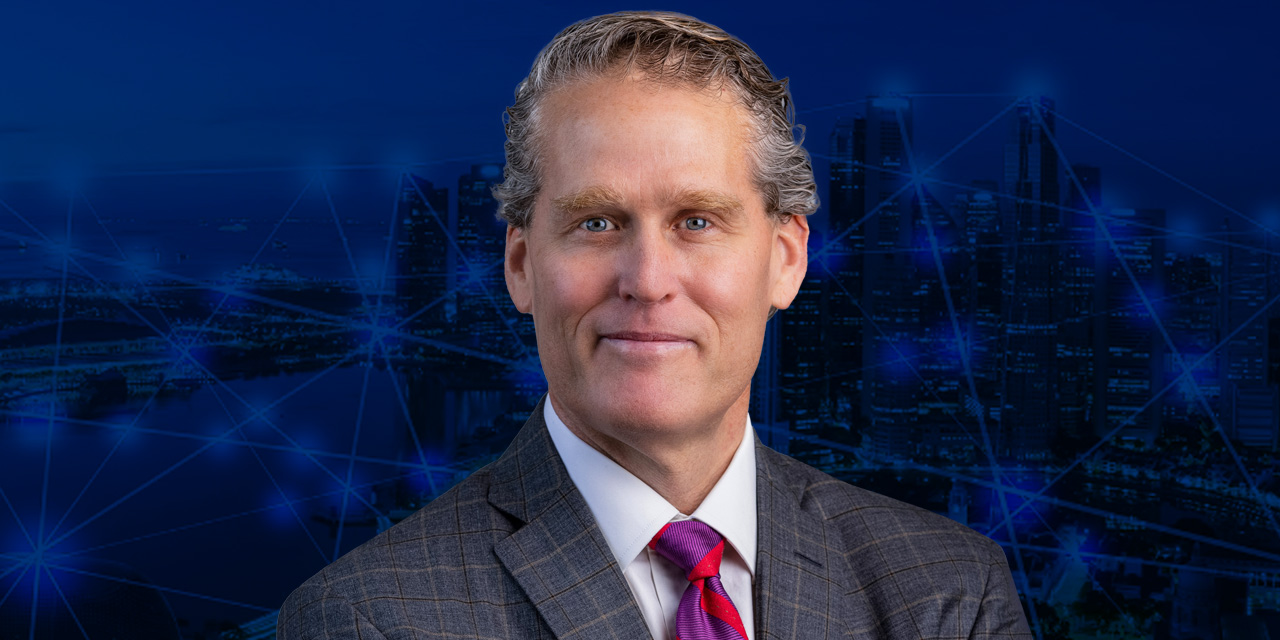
{"x":691,"y":545}
{"x":705,"y":610}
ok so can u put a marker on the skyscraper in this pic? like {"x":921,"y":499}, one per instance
{"x":1032,"y":228}
{"x":844,"y":250}
{"x":422,"y":282}
{"x":985,"y":256}
{"x":491,"y":322}
{"x":1075,"y":308}
{"x":1131,"y":368}
{"x":891,"y":392}
{"x":1250,"y":402}
{"x":802,"y":379}
{"x":939,"y":292}
{"x":1195,"y":323}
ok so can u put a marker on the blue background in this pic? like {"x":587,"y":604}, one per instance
{"x":241,"y":330}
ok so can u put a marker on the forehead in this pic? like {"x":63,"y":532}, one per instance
{"x":627,"y":90}
{"x":616,"y":135}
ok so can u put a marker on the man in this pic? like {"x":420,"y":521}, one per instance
{"x":656,"y":201}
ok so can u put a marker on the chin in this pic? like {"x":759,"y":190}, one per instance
{"x":655,"y":407}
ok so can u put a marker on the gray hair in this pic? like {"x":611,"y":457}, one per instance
{"x":668,"y":48}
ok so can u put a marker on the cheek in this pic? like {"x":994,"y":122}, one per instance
{"x":735,"y":290}
{"x":570,"y":286}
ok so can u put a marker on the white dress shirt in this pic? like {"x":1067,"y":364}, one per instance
{"x":630,"y":513}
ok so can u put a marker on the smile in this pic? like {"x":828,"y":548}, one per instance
{"x":646,"y":344}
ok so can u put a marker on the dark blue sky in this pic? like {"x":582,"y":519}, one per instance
{"x":116,"y":87}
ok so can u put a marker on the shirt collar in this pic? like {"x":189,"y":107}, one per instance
{"x":630,"y":513}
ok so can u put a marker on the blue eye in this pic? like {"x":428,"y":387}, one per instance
{"x":596,"y":224}
{"x":695,"y":224}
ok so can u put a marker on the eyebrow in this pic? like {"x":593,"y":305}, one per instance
{"x":601,"y":197}
{"x":595,"y":197}
{"x":706,"y":200}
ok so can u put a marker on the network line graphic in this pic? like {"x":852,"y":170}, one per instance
{"x":215,"y":382}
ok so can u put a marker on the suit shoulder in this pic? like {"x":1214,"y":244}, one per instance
{"x":870,"y":520}
{"x":907,"y":571}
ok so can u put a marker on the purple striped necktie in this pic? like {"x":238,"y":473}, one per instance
{"x":705,"y":611}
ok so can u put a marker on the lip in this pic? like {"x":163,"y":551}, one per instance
{"x":644,"y":336}
{"x":645,"y":344}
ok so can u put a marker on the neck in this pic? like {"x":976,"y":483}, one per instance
{"x":683,"y":467}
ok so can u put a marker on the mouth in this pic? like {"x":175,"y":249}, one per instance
{"x":645,"y":344}
{"x":638,"y":336}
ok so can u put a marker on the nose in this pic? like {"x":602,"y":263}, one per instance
{"x":648,"y":267}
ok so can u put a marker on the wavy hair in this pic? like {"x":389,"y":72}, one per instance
{"x":668,"y":48}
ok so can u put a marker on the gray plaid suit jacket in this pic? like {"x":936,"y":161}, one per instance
{"x":514,"y":552}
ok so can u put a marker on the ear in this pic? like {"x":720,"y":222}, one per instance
{"x":516,"y":269}
{"x":790,"y":259}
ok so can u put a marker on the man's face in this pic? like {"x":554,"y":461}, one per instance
{"x":650,"y":264}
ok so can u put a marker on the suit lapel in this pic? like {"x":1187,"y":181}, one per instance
{"x":558,"y":555}
{"x":801,"y":573}
{"x":560,"y":559}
